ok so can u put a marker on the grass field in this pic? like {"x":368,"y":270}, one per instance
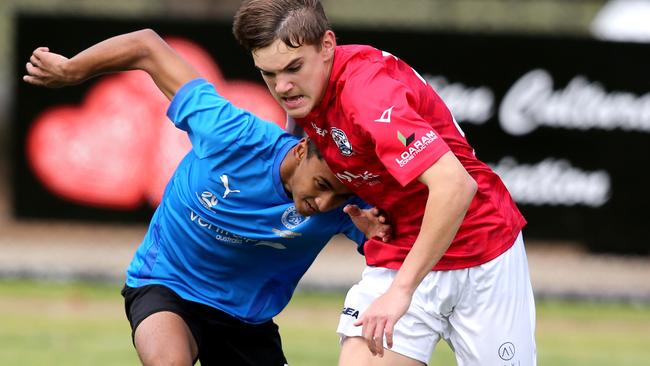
{"x":84,"y":324}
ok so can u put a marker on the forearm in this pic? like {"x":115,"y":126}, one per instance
{"x":129,"y":51}
{"x":446,"y":206}
{"x":140,"y":50}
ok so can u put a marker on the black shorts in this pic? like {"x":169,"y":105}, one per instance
{"x":222,"y":339}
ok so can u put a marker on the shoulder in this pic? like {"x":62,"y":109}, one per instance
{"x":192,"y":87}
{"x":366,"y":70}
{"x":353,"y":53}
{"x":369,"y":83}
{"x":191,"y":95}
{"x":357,"y":61}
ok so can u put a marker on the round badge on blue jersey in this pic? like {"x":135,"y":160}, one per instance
{"x":291,"y":218}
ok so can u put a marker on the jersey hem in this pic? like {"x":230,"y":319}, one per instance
{"x":182,"y":294}
{"x":461,"y":263}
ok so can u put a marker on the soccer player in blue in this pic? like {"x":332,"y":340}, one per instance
{"x":244,"y":215}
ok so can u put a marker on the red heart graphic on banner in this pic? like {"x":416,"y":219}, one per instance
{"x":95,"y":154}
{"x":118,"y":148}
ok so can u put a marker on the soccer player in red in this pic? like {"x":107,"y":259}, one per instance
{"x":456,"y":268}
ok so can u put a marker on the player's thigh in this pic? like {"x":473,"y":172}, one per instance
{"x":159,"y":323}
{"x":494,"y":323}
{"x":355,"y":352}
{"x":165,"y":338}
{"x":229,"y":341}
{"x":416,"y":333}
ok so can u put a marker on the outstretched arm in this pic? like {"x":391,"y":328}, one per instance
{"x":140,"y":50}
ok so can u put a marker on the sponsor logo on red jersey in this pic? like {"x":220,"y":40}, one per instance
{"x":406,"y":141}
{"x":319,"y":131}
{"x":358,"y":179}
{"x":385,"y":116}
{"x":413,"y":148}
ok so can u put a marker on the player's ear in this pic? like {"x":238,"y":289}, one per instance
{"x":328,"y":44}
{"x":300,"y":152}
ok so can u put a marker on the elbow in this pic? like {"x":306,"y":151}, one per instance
{"x":146,"y":40}
{"x":470,"y":188}
{"x":465,"y":188}
{"x":146,"y":35}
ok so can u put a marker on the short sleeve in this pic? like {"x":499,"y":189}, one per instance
{"x":210,"y":120}
{"x":386,"y":110}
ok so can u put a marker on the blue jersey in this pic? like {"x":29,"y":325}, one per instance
{"x":225,"y":233}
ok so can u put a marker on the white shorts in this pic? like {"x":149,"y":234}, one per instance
{"x":485,"y":313}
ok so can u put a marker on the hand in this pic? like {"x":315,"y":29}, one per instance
{"x":380,"y":319}
{"x":45,"y":68}
{"x":370,"y":221}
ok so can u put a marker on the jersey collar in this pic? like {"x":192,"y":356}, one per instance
{"x":279,"y":158}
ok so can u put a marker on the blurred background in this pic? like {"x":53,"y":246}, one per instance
{"x":555,"y":95}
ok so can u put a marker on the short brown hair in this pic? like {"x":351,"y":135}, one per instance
{"x":312,"y":149}
{"x":258,"y":23}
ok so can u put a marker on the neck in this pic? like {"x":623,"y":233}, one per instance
{"x":328,"y":76}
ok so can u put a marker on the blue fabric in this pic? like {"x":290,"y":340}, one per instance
{"x":241,"y":251}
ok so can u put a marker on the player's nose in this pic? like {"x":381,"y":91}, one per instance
{"x":283,"y":85}
{"x":326,"y":201}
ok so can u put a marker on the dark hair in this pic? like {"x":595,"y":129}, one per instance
{"x":312,"y":150}
{"x":258,"y":23}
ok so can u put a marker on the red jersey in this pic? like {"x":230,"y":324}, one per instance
{"x":379,"y":127}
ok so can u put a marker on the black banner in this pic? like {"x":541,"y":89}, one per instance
{"x":565,"y":122}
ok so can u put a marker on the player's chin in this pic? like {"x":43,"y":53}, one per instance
{"x":301,"y":112}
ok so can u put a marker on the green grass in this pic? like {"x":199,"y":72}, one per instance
{"x":63,"y":324}
{"x":84,"y":324}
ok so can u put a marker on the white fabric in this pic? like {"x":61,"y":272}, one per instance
{"x":486,"y":313}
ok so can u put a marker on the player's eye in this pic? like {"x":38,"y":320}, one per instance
{"x":294,"y":68}
{"x":267,"y":74}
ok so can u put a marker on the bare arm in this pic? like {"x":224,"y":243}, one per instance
{"x":140,"y":50}
{"x":451,"y":190}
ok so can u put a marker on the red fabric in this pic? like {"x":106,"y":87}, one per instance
{"x":391,"y":126}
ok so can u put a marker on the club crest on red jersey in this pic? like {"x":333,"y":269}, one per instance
{"x":341,"y":141}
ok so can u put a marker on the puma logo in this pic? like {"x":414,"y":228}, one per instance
{"x":224,"y":180}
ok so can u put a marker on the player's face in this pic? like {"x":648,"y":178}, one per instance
{"x":315,"y":188}
{"x":296,"y":77}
